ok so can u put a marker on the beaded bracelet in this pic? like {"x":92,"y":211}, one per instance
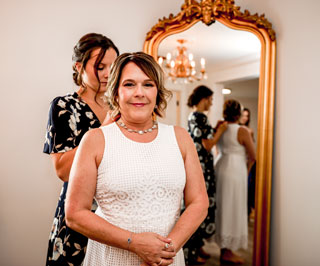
{"x":129,"y":241}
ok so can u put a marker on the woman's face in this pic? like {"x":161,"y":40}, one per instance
{"x":244,"y":117}
{"x":137,"y":94}
{"x":208,"y":103}
{"x":89,"y":76}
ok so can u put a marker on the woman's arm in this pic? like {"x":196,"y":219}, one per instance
{"x":62,"y":163}
{"x":245,"y":139}
{"x":195,"y":194}
{"x":81,"y":190}
{"x":209,"y":143}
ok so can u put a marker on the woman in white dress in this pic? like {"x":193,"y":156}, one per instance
{"x":138,"y":171}
{"x":237,"y":157}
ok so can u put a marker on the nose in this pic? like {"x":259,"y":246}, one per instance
{"x":139,"y":92}
{"x":106,"y":72}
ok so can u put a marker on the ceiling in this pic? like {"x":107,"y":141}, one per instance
{"x":218,"y":44}
{"x":244,"y":88}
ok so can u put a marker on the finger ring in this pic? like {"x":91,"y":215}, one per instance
{"x":160,"y":262}
{"x":166,"y":245}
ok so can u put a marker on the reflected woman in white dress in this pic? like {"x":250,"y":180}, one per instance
{"x":237,"y":156}
{"x":138,"y":171}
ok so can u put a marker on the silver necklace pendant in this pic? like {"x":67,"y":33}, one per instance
{"x":123,"y":125}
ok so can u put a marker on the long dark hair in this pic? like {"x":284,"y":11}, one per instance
{"x":249,"y":114}
{"x":82,"y":51}
{"x":198,"y":94}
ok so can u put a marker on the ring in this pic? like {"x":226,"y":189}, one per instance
{"x":166,"y":245}
{"x":160,"y":262}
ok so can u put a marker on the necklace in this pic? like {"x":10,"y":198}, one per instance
{"x":155,"y":125}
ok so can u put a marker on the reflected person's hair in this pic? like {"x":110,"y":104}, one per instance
{"x":231,"y":110}
{"x":150,"y":67}
{"x":82,"y":52}
{"x":198,"y":94}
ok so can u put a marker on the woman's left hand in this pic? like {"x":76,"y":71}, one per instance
{"x":163,"y":261}
{"x":167,"y":252}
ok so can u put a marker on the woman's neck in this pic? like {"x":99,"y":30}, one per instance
{"x":199,"y":108}
{"x":138,"y":125}
{"x":90,"y":96}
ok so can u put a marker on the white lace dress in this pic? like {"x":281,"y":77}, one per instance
{"x":139,"y":188}
{"x":232,"y":186}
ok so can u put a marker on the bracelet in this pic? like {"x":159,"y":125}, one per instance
{"x":129,"y":241}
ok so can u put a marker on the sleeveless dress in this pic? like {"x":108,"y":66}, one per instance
{"x":139,"y":188}
{"x":199,"y":129}
{"x":69,"y":119}
{"x":232,"y":182}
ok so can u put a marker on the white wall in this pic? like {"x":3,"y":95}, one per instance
{"x":37,"y":38}
{"x":295,"y":215}
{"x":36,"y":44}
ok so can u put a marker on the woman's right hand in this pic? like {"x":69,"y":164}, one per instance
{"x":153,"y":249}
{"x":221,"y":126}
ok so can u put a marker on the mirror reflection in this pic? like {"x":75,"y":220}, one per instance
{"x":227,"y":62}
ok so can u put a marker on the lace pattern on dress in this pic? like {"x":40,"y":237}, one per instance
{"x":139,"y":188}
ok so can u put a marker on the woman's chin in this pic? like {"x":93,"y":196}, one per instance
{"x":140,"y":118}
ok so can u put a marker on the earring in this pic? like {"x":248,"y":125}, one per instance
{"x":154,"y":115}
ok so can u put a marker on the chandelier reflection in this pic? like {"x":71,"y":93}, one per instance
{"x":181,"y":67}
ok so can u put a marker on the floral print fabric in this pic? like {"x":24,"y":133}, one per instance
{"x":199,"y":129}
{"x":69,"y":119}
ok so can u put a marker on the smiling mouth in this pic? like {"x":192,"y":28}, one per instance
{"x":138,"y":104}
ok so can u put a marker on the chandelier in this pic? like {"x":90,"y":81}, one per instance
{"x":181,"y":67}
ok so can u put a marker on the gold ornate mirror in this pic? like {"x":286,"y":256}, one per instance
{"x":228,"y":14}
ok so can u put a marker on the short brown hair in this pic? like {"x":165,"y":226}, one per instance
{"x":150,"y":67}
{"x":231,"y":110}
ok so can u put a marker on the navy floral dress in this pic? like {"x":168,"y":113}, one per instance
{"x":199,"y":128}
{"x":69,"y":119}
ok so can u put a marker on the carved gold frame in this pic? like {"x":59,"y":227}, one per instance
{"x":226,"y":12}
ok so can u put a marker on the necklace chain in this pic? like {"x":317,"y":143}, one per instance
{"x":154,"y":126}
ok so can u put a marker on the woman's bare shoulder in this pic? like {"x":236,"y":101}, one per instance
{"x":184,"y":140}
{"x":243,"y":134}
{"x":244,"y":130}
{"x":181,"y":133}
{"x":94,"y":134}
{"x":92,"y":140}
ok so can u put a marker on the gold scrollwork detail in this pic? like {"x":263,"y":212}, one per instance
{"x":207,"y":11}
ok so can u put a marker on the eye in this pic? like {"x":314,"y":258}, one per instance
{"x":149,"y":84}
{"x":128,"y":84}
{"x":100,"y":67}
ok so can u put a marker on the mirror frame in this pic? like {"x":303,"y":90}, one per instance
{"x":226,"y":12}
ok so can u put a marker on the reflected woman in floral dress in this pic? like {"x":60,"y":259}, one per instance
{"x":70,"y":117}
{"x":204,"y":137}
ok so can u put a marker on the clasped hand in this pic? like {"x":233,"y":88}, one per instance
{"x":154,"y":249}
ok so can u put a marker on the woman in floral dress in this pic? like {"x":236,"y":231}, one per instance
{"x":204,"y":137}
{"x":70,"y":117}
